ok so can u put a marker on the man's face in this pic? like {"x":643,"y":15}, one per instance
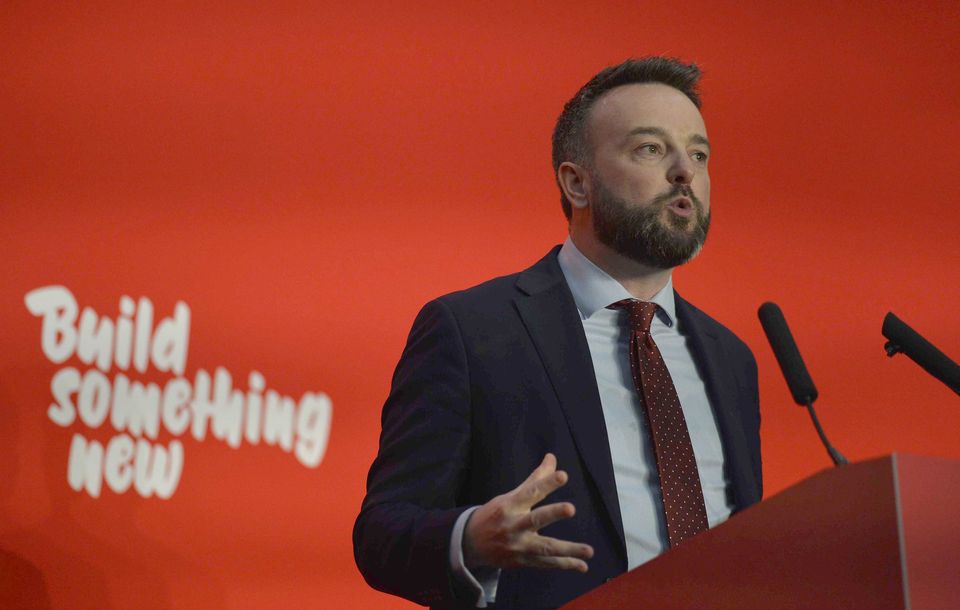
{"x":650,"y":190}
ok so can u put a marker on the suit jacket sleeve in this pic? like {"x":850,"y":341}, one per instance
{"x":414,"y":489}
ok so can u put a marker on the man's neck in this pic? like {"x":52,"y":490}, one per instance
{"x":640,"y":280}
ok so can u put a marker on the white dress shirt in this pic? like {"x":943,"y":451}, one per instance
{"x":631,"y":449}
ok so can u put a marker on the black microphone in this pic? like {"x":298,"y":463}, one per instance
{"x":794,"y":370}
{"x":904,"y":339}
{"x":785,"y":349}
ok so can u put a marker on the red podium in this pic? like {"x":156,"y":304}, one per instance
{"x":878,"y":535}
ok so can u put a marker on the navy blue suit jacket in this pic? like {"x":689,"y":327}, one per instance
{"x":491,"y":379}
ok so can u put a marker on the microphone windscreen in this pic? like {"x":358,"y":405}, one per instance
{"x":788,"y":356}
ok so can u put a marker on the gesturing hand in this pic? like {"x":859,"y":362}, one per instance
{"x":503,"y":532}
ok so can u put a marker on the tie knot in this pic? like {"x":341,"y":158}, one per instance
{"x":641,"y":313}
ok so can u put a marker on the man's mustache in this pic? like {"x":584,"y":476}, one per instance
{"x":678,"y":190}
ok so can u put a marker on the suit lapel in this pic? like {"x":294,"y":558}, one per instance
{"x":550,"y":315}
{"x":714,"y":364}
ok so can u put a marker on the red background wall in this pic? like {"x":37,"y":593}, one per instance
{"x":285,"y":170}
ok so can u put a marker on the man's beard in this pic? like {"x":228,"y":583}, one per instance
{"x":640,"y":233}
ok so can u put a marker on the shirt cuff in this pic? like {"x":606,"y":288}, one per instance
{"x":483,"y":581}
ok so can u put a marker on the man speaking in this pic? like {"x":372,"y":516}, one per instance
{"x":550,"y":430}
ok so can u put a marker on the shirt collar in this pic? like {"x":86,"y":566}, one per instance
{"x":593,"y":288}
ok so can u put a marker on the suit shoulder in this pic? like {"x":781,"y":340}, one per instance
{"x":498,"y":289}
{"x":496,"y":293}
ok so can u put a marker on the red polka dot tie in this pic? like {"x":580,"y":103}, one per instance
{"x":682,"y":494}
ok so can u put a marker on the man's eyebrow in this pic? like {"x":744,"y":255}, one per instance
{"x":647,"y":131}
{"x":656,"y":131}
{"x":699,"y":139}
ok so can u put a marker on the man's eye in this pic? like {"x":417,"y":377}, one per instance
{"x":652,"y":149}
{"x":699,"y":156}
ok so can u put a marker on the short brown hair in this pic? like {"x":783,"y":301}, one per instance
{"x":569,"y":138}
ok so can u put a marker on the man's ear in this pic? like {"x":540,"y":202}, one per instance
{"x":574,"y":180}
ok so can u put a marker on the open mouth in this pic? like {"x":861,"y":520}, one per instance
{"x":681,"y":207}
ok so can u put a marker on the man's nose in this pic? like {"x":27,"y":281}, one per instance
{"x":681,"y":171}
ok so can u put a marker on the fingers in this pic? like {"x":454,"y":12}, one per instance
{"x":547,"y":465}
{"x":503,"y":532}
{"x":542,"y":482}
{"x":545,"y":515}
{"x":558,"y":563}
{"x":544,"y":552}
{"x":553,"y":547}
